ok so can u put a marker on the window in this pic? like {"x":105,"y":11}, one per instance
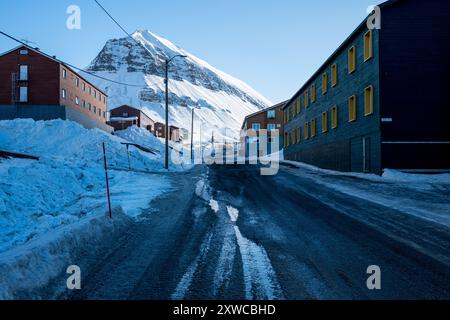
{"x":352,"y":109}
{"x":104,"y":114}
{"x":95,"y":109}
{"x":77,"y":82}
{"x":89,"y":106}
{"x":294,"y":138}
{"x":104,"y":99}
{"x":313,"y":128}
{"x":271,"y":127}
{"x":83,"y":104}
{"x":287,"y":139}
{"x":298,"y":106}
{"x":368,"y":101}
{"x":23,"y":92}
{"x":299,"y":135}
{"x":23,"y":51}
{"x":288,"y":115}
{"x":271,"y":114}
{"x":324,"y":83}
{"x":95,"y":93}
{"x":334,"y":77}
{"x":307,"y":130}
{"x":334,"y":117}
{"x":64,"y":74}
{"x":23,"y":72}
{"x":324,"y":122}
{"x":256,"y":126}
{"x":99,"y":97}
{"x":368,"y":45}
{"x":90,"y":90}
{"x":99,"y":112}
{"x":352,"y":59}
{"x":84,"y":87}
{"x":306,"y":99}
{"x":77,"y":101}
{"x":63,"y":93}
{"x":313,"y":93}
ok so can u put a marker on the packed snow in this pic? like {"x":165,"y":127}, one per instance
{"x":426,"y":196}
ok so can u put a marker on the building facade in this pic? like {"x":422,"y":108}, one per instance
{"x":126,"y":116}
{"x":174,"y":132}
{"x":380,"y":100}
{"x":35,"y":85}
{"x":268,"y":119}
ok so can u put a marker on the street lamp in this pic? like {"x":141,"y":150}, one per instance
{"x":192,"y":133}
{"x":168,"y":61}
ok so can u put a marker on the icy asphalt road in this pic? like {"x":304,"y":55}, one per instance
{"x":228,"y":233}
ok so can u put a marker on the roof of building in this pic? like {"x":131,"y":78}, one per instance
{"x":278,"y":105}
{"x":337,"y":51}
{"x":37,"y":50}
{"x":126,"y":105}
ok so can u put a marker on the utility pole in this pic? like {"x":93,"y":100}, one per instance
{"x":166,"y":160}
{"x":192,"y":136}
{"x":166,"y":128}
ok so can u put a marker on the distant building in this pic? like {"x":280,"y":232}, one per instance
{"x":126,"y":116}
{"x":160,"y":130}
{"x":174,"y":132}
{"x":381,"y":99}
{"x":268,"y":119}
{"x":35,"y":85}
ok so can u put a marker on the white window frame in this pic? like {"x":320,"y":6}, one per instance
{"x":23,"y":94}
{"x":64,"y":73}
{"x":63,"y":93}
{"x":271,"y":114}
{"x":271,"y":127}
{"x":256,"y":126}
{"x":77,"y":100}
{"x":23,"y":72}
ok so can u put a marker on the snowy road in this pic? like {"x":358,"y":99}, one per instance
{"x":228,"y":233}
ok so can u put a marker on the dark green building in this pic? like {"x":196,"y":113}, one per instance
{"x":381,"y":99}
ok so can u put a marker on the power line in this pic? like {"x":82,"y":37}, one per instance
{"x":68,"y":64}
{"x":122,"y":28}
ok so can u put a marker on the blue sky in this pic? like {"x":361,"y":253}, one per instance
{"x":273,"y":45}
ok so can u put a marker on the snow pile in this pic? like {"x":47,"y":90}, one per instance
{"x":68,"y":182}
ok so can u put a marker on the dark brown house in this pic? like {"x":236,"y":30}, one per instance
{"x":126,"y":116}
{"x":174,"y":132}
{"x":36,"y":85}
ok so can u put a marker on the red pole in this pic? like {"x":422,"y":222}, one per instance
{"x":107,"y":183}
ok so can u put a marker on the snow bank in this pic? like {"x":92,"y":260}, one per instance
{"x":68,"y":182}
{"x":29,"y":268}
{"x":424,"y":196}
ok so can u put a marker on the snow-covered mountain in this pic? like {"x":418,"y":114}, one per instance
{"x":223,"y":99}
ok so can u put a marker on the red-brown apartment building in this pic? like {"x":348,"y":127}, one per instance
{"x":268,"y":119}
{"x":35,"y":85}
{"x":126,"y":116}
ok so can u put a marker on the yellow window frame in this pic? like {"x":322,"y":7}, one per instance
{"x":368,"y":101}
{"x":352,"y":108}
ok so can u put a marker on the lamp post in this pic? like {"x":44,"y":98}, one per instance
{"x":192,"y":133}
{"x":168,"y":61}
